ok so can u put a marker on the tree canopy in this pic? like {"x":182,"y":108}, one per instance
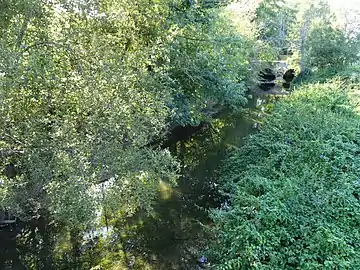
{"x":91,"y":92}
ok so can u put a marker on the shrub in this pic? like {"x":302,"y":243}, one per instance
{"x":294,"y":188}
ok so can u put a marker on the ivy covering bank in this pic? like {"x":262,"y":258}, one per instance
{"x":295,"y":187}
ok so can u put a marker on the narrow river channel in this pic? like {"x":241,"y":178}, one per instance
{"x":174,"y":237}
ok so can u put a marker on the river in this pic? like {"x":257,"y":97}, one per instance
{"x":174,"y":237}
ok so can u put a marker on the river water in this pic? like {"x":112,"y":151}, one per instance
{"x":174,"y":237}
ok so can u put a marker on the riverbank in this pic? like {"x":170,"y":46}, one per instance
{"x":293,"y":187}
{"x":174,"y":237}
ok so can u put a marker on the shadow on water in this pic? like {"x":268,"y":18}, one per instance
{"x":173,"y":237}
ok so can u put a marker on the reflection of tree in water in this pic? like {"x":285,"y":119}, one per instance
{"x":27,"y":243}
{"x":164,"y":239}
{"x":173,"y":237}
{"x":9,"y":254}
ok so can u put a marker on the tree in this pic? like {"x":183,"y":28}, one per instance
{"x":274,"y":19}
{"x":78,"y":109}
{"x":85,"y":89}
{"x":329,"y":47}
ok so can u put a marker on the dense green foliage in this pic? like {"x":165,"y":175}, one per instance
{"x":76,"y":112}
{"x":330,"y":47}
{"x":91,"y":90}
{"x":294,"y":186}
{"x":86,"y":87}
{"x":84,"y":90}
{"x":274,"y":20}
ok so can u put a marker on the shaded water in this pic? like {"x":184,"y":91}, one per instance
{"x":174,"y":237}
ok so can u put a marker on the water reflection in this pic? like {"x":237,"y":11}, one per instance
{"x":173,"y":237}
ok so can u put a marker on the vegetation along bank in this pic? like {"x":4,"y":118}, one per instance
{"x":122,"y":126}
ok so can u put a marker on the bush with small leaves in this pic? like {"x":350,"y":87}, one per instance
{"x":295,"y":187}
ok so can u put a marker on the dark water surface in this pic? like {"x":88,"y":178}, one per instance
{"x":174,"y":238}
